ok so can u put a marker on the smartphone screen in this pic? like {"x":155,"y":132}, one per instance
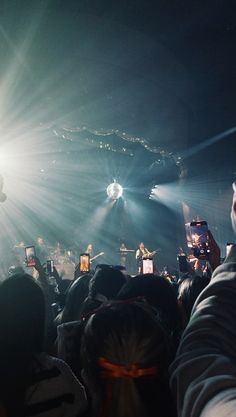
{"x":199,"y":239}
{"x":49,"y":267}
{"x":183,"y":263}
{"x":147,"y":266}
{"x":228,"y":248}
{"x":30,"y":256}
{"x":84,"y":262}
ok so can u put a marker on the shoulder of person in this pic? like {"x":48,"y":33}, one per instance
{"x":58,"y":367}
{"x":54,"y":387}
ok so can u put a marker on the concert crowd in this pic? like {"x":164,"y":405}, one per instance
{"x":108,"y":344}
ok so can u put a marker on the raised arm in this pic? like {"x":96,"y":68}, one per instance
{"x":203,"y":376}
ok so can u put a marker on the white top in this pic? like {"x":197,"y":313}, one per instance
{"x":204,"y":371}
{"x":54,"y":390}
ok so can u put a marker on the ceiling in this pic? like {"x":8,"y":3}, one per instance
{"x":162,"y":70}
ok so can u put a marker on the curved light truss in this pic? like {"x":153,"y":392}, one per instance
{"x":67,"y":133}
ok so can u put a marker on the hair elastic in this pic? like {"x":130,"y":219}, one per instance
{"x":111,"y":370}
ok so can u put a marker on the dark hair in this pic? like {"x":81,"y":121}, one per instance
{"x":75,"y":297}
{"x":22,"y":325}
{"x":127,"y":334}
{"x":106,"y":281}
{"x":104,"y":285}
{"x":189,"y":290}
{"x":159,"y":293}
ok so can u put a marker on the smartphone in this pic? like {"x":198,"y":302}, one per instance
{"x":147,"y":266}
{"x":200,"y":239}
{"x":84,"y":262}
{"x":49,"y":267}
{"x":228,"y":248}
{"x":30,"y":255}
{"x":183,"y":263}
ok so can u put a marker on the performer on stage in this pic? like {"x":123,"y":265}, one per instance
{"x":89,"y":250}
{"x":123,"y":254}
{"x":141,"y":253}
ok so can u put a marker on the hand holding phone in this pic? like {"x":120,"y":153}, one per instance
{"x":199,"y":239}
{"x":84,"y":262}
{"x":183,"y":263}
{"x":30,"y":256}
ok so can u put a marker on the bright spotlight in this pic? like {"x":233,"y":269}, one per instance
{"x":5,"y":161}
{"x":3,"y":196}
{"x":114,"y":191}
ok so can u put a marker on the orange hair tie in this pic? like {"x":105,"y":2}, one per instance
{"x":119,"y":371}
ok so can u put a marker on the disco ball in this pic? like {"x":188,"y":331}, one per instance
{"x":114,"y":191}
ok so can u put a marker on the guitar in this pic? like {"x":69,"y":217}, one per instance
{"x":150,"y":254}
{"x":96,"y":256}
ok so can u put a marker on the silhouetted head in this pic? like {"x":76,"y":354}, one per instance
{"x":189,"y":290}
{"x":159,"y":293}
{"x":104,"y":285}
{"x":22,"y":320}
{"x":75,"y":297}
{"x":22,"y":315}
{"x":125,"y":355}
{"x":107,"y":282}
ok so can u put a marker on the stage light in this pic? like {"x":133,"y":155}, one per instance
{"x":3,"y":196}
{"x":4,"y":161}
{"x":153,"y":192}
{"x":114,"y":191}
